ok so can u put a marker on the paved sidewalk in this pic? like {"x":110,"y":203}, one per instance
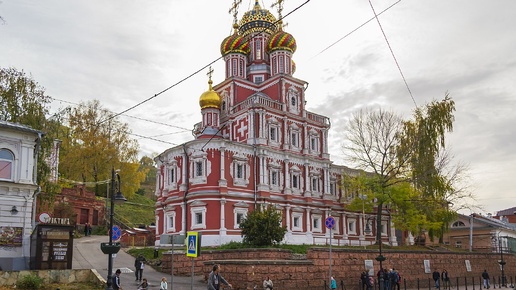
{"x":87,"y":255}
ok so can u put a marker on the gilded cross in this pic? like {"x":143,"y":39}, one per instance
{"x":234,"y":9}
{"x":210,"y":72}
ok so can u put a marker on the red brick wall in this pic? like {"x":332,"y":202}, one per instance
{"x":247,"y":267}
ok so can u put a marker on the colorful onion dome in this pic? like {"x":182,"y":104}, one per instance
{"x":210,"y":98}
{"x":234,"y":43}
{"x":282,"y":40}
{"x":293,"y":67}
{"x":257,"y":20}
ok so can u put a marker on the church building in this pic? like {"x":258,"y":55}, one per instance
{"x":257,"y":145}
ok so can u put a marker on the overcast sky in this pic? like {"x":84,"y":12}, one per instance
{"x":123,"y":52}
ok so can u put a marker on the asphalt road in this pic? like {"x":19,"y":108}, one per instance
{"x":87,"y":255}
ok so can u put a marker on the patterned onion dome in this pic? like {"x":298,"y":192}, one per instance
{"x":282,"y":40}
{"x":257,"y":20}
{"x":234,"y":44}
{"x":210,"y":98}
{"x":293,"y":67}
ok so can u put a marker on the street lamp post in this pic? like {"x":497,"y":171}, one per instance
{"x":502,"y":262}
{"x":380,"y":257}
{"x":111,"y":248}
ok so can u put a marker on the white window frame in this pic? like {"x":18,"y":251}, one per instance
{"x":193,"y":214}
{"x":384,"y":228}
{"x":171,"y":221}
{"x":258,"y":79}
{"x":333,"y":187}
{"x":240,"y":178}
{"x":352,"y":226}
{"x":316,"y":223}
{"x":299,"y":217}
{"x":200,"y":169}
{"x":236,"y":212}
{"x":8,"y":162}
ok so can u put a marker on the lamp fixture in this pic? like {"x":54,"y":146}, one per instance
{"x":14,"y":210}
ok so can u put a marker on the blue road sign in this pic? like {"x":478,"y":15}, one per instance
{"x":193,"y":245}
{"x":116,"y":232}
{"x":330,"y":222}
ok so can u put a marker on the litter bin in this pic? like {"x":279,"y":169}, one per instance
{"x":156,"y":252}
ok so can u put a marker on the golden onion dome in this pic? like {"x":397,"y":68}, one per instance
{"x":257,"y":20}
{"x":234,"y":43}
{"x":210,"y":98}
{"x":293,"y":67}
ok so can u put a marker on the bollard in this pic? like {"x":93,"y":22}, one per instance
{"x":342,"y":285}
{"x":457,"y":284}
{"x":325,"y":286}
{"x":417,"y":283}
{"x":473,"y":282}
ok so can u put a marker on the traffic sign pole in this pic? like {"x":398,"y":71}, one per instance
{"x":330,"y":224}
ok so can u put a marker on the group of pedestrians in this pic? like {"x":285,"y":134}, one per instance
{"x":139,"y":265}
{"x":391,"y":279}
{"x":444,"y":277}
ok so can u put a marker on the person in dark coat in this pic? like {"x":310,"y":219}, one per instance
{"x":138,"y":266}
{"x":116,"y":284}
{"x":436,"y":276}
{"x":485,"y":276}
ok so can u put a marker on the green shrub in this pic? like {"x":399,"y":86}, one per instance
{"x":31,"y":282}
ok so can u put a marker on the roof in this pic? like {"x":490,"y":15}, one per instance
{"x":18,"y":127}
{"x":509,"y":211}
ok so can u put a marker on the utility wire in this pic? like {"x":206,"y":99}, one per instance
{"x":129,"y":116}
{"x":194,"y":73}
{"x":352,"y":31}
{"x":392,"y":53}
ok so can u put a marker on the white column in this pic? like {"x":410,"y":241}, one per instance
{"x":222,"y":211}
{"x":183,"y":220}
{"x":222,"y":181}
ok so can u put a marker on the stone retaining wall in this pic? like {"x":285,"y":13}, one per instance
{"x":245,"y":268}
{"x":9,"y":278}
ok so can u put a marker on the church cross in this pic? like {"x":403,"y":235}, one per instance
{"x":210,"y":72}
{"x":234,"y":9}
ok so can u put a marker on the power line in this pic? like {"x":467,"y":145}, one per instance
{"x":194,"y":73}
{"x":392,"y":53}
{"x":352,"y":31}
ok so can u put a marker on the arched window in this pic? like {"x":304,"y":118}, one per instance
{"x":6,"y":164}
{"x":458,"y":224}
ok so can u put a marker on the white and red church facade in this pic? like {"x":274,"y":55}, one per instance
{"x":257,"y":145}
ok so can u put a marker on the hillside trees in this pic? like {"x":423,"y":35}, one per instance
{"x":404,"y":165}
{"x":24,"y":101}
{"x":94,"y":143}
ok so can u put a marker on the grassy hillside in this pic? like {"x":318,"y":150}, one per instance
{"x":137,"y":211}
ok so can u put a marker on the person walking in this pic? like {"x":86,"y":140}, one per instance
{"x":163,"y":285}
{"x":267,"y":284}
{"x":446,"y":279}
{"x":436,"y":276}
{"x":363,"y":279}
{"x":485,"y":276}
{"x":139,"y":265}
{"x":215,"y":279}
{"x":333,"y":283}
{"x":116,"y":283}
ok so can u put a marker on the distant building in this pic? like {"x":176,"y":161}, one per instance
{"x":18,"y":161}
{"x":484,"y":233}
{"x":257,"y":145}
{"x":88,"y":208}
{"x":507,"y":215}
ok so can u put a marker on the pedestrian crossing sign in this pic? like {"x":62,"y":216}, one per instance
{"x":193,"y":245}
